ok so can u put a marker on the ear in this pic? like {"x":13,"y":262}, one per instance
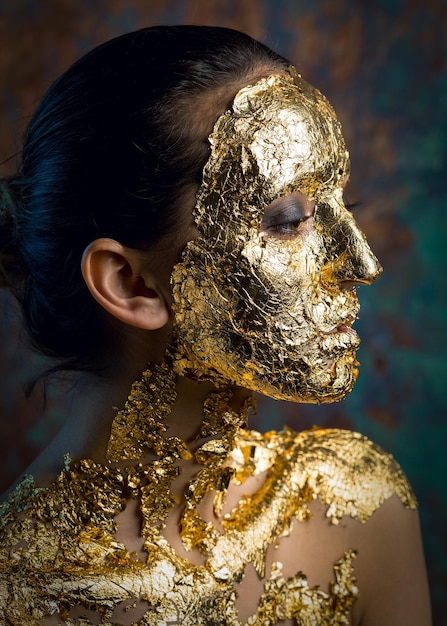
{"x":120,"y":282}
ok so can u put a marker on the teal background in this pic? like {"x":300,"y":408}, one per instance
{"x":382,"y":64}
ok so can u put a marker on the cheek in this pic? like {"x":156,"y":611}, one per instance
{"x":286,"y":267}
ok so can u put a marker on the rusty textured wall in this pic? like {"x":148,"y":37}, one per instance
{"x":382,"y":63}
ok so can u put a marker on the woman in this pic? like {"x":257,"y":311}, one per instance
{"x":179,"y":212}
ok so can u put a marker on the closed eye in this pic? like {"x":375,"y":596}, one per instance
{"x":288,"y":216}
{"x":287,"y":227}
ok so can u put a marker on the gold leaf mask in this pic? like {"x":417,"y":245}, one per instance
{"x":260,"y":296}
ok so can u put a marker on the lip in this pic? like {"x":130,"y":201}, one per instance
{"x":342,"y":327}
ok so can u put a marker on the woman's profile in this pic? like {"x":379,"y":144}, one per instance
{"x":176,"y":235}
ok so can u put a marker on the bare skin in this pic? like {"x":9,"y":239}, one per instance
{"x":133,"y":290}
{"x":390,"y":566}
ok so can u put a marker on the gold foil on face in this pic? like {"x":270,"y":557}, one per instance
{"x":253,"y":309}
{"x":58,"y":549}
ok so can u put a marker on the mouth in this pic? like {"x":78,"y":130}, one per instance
{"x":340,"y":338}
{"x":342,"y":327}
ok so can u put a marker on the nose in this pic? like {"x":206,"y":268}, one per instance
{"x":349,"y":256}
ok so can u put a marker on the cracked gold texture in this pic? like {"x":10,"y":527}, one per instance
{"x":58,"y":548}
{"x":251,"y":310}
{"x":136,"y":428}
{"x":258,"y":310}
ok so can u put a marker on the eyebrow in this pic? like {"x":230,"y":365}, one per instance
{"x":288,"y":201}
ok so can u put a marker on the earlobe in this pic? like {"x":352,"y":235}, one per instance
{"x":120,"y":282}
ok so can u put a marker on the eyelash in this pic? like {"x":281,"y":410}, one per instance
{"x":291,"y":227}
{"x":288,"y":227}
{"x":351,"y":206}
{"x":296,"y":223}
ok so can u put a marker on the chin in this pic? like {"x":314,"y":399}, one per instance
{"x":328,"y":381}
{"x":314,"y":380}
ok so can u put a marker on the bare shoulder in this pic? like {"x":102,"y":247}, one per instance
{"x":357,"y":479}
{"x":391,"y":569}
{"x":350,"y":495}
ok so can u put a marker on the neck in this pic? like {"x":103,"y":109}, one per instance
{"x":92,"y":416}
{"x":169,"y":416}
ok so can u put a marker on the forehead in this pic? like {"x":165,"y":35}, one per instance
{"x":290,"y":130}
{"x":280,"y":136}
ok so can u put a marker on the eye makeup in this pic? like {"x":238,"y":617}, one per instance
{"x":256,"y":293}
{"x":287,"y":216}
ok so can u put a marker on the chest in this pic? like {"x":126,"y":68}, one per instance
{"x":169,"y":560}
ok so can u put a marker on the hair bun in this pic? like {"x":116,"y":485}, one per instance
{"x":10,"y":270}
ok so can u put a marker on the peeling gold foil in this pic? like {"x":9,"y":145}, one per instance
{"x":138,"y":426}
{"x":251,"y":309}
{"x":59,"y":552}
{"x":261,"y":311}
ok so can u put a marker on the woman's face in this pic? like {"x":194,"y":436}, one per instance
{"x":263,"y":296}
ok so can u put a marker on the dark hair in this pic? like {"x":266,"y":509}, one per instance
{"x":109,"y":151}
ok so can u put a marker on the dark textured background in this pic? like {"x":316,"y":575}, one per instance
{"x":382,"y":64}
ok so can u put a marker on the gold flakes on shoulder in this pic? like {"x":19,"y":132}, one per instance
{"x":348,"y":472}
{"x":59,"y":550}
